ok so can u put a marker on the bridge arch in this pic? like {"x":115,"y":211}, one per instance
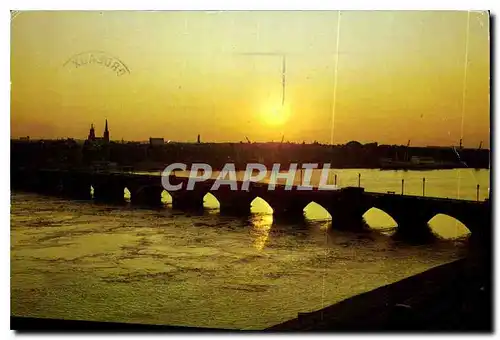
{"x":315,"y":211}
{"x":259,"y":205}
{"x":448,"y":227}
{"x":127,"y":194}
{"x":379,"y":219}
{"x":210,"y":201}
{"x":146,"y":194}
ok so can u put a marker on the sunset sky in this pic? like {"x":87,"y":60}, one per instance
{"x":400,"y":76}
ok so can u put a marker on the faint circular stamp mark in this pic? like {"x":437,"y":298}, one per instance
{"x":99,"y":58}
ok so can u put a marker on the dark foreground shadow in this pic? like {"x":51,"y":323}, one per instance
{"x":452,"y":298}
{"x":36,"y":325}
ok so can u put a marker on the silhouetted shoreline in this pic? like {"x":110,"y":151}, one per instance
{"x":152,"y":156}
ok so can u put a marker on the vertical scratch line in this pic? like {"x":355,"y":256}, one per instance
{"x":464,"y":89}
{"x":466,"y":64}
{"x":334,"y":103}
{"x":331,"y":142}
{"x":283,"y":74}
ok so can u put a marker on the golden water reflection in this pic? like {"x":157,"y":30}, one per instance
{"x":261,"y":220}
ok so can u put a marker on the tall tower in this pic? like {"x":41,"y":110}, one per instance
{"x":106,"y":132}
{"x":91,"y":133}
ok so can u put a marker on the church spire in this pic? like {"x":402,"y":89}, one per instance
{"x":91,"y":136}
{"x":106,"y":132}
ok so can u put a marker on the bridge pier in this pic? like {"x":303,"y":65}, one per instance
{"x":231,"y":207}
{"x":76,"y":186}
{"x":288,"y":213}
{"x":347,"y":218}
{"x":413,"y":226}
{"x":21,"y":179}
{"x":187,"y":200}
{"x":49,"y":183}
{"x":285,"y":204}
{"x":147,"y":196}
{"x":236,"y":203}
{"x":77,"y":190}
{"x":347,"y":211}
{"x":479,"y":224}
{"x":109,"y":192}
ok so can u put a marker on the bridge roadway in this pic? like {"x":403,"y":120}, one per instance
{"x":346,"y":205}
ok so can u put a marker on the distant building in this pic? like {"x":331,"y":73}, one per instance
{"x":354,"y":144}
{"x":92,"y":138}
{"x":156,"y":141}
{"x":371,"y":145}
{"x":27,"y":138}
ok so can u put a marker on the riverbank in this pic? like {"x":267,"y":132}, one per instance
{"x":455,"y":297}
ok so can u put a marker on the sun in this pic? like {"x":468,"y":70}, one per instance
{"x":277,"y":115}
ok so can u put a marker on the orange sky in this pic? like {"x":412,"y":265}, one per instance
{"x":400,"y":76}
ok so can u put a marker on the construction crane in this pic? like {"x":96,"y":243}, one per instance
{"x":406,"y":151}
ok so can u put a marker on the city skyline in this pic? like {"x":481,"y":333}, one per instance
{"x":400,"y":76}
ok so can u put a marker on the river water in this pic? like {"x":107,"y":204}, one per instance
{"x":90,"y":261}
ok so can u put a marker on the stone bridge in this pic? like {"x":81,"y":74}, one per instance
{"x":346,"y":206}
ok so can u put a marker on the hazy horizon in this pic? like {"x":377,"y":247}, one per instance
{"x":400,"y":76}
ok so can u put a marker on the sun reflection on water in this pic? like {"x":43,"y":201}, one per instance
{"x":261,"y":226}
